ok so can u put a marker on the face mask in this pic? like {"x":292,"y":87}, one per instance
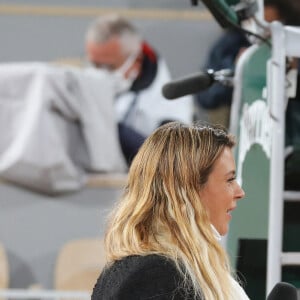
{"x":124,"y":83}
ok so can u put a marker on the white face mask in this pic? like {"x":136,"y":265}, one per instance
{"x":124,"y":83}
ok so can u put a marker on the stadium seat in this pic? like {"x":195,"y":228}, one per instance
{"x":79,"y":264}
{"x":4,"y":270}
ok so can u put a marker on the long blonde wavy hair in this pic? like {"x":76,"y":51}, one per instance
{"x":161,"y":211}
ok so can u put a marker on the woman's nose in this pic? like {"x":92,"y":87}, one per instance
{"x":239,"y":192}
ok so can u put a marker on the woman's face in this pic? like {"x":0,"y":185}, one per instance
{"x":221,"y":191}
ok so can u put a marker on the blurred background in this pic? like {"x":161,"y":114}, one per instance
{"x":34,"y":227}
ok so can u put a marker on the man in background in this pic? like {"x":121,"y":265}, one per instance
{"x":114,"y":44}
{"x":216,"y":100}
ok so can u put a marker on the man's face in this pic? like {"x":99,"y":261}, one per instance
{"x":106,"y":55}
{"x":271,"y":13}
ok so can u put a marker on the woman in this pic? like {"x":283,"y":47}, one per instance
{"x":163,"y":237}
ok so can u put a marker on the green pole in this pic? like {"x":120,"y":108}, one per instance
{"x":222,"y":11}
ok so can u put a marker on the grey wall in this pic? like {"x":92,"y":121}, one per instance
{"x":168,"y":4}
{"x":34,"y":227}
{"x":45,"y":33}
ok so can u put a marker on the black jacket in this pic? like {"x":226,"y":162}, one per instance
{"x":141,"y":277}
{"x":222,"y":55}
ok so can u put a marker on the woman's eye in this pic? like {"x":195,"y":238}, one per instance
{"x":231,"y":179}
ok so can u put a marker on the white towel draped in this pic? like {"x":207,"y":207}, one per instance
{"x":57,"y":123}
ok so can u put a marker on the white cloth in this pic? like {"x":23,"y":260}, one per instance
{"x":56,"y":123}
{"x":216,"y":232}
{"x":151,"y":107}
{"x":238,"y":291}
